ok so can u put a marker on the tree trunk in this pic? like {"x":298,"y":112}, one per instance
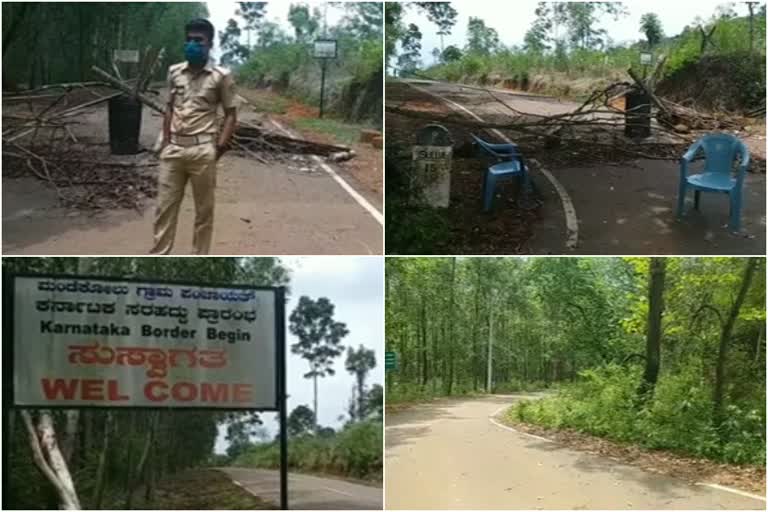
{"x":315,"y":397}
{"x":451,"y":341}
{"x":98,"y":490}
{"x":49,"y":459}
{"x":423,"y":354}
{"x":653,"y":335}
{"x":141,"y":468}
{"x":10,"y":34}
{"x":725,"y":338}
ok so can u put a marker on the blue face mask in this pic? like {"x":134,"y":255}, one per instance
{"x":196,"y":53}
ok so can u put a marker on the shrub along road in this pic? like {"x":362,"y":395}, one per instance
{"x":451,"y":454}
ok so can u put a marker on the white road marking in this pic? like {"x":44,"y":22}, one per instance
{"x":238,"y":483}
{"x":495,"y":413}
{"x":734,"y":491}
{"x":571,"y":220}
{"x":337,"y":491}
{"x":376,"y":214}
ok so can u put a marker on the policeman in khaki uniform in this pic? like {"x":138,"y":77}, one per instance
{"x":192,"y":144}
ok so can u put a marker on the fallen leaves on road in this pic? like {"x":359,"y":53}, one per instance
{"x":205,"y":489}
{"x":694,"y":470}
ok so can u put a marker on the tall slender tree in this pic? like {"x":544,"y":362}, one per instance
{"x":319,"y":337}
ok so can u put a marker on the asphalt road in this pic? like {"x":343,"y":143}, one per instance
{"x":308,"y":492}
{"x":615,"y":209}
{"x":450,"y":455}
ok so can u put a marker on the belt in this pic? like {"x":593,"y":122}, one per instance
{"x":191,"y":140}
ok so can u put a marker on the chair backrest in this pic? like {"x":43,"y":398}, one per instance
{"x":720,"y":150}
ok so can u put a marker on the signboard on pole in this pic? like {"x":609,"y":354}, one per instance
{"x":80,"y":341}
{"x":432,"y":157}
{"x":646,"y":59}
{"x":390,"y":361}
{"x":125,"y":56}
{"x":325,"y":49}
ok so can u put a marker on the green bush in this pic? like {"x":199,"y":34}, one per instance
{"x":678,"y":417}
{"x":355,"y":451}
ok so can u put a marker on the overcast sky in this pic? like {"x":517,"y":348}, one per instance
{"x":511,"y":19}
{"x":221,"y":12}
{"x":355,"y":285}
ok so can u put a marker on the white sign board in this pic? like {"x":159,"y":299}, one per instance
{"x":646,"y":59}
{"x":101,"y":342}
{"x":432,"y":172}
{"x":125,"y":55}
{"x":325,"y":49}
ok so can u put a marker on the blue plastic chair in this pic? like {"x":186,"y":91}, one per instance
{"x":511,"y":164}
{"x":720,"y":151}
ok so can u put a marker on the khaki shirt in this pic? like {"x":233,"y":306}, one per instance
{"x":196,"y":97}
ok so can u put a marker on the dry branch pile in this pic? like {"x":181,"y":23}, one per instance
{"x":596,"y":129}
{"x":38,"y":140}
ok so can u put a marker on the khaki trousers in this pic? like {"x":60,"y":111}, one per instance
{"x":178,"y":165}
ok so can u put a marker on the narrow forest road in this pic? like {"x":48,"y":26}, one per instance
{"x":308,"y":492}
{"x":451,"y":455}
{"x":283,"y":207}
{"x":612,"y":208}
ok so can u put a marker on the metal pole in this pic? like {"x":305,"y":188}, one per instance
{"x":490,"y":342}
{"x":8,"y":409}
{"x":282,"y":396}
{"x":322,"y":86}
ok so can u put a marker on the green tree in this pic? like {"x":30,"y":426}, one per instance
{"x":451,"y":54}
{"x":305,"y":22}
{"x":301,"y":421}
{"x":650,"y":26}
{"x":481,"y":39}
{"x":409,"y":59}
{"x":319,"y":337}
{"x":359,"y":363}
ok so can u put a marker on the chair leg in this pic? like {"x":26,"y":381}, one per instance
{"x":696,"y":197}
{"x":680,"y":200}
{"x":488,"y":193}
{"x":734,"y":222}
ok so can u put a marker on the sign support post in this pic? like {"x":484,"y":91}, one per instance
{"x":324,"y":49}
{"x":282,"y":395}
{"x":322,"y":86}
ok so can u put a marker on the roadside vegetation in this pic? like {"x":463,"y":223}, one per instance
{"x":662,"y":353}
{"x":568,"y":52}
{"x":265,"y":55}
{"x":115,"y":459}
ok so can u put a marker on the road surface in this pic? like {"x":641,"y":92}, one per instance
{"x":613,"y":209}
{"x":278,"y":208}
{"x":308,"y":492}
{"x":449,"y":455}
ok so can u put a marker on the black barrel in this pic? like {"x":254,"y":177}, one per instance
{"x":637,"y":115}
{"x":124,"y":125}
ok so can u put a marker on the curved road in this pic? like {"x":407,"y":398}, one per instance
{"x":450,"y":455}
{"x":307,"y":492}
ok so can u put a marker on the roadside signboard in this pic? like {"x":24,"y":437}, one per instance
{"x":125,"y":56}
{"x":116,"y":343}
{"x":646,"y":59}
{"x":432,"y":157}
{"x":95,"y":341}
{"x":390,"y":361}
{"x":325,"y":49}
